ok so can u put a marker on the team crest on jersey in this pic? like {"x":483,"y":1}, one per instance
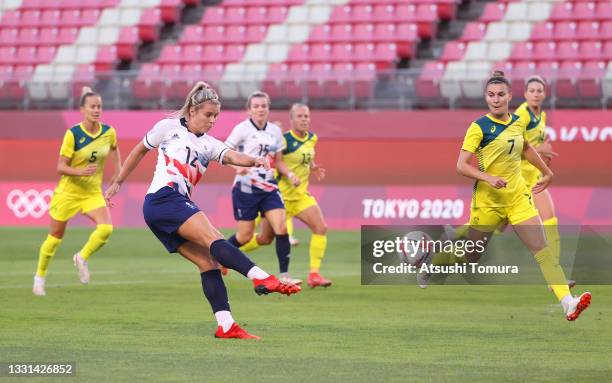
{"x":295,"y":143}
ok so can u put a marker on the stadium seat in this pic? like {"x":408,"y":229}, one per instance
{"x":363,"y":33}
{"x":67,"y":35}
{"x":276,"y":14}
{"x":522,"y":51}
{"x":607,"y":51}
{"x":27,"y":36}
{"x":235,"y":34}
{"x":493,"y":11}
{"x":519,"y":31}
{"x":453,"y":51}
{"x":255,"y":33}
{"x":565,"y":30}
{"x":473,"y":31}
{"x":567,"y":50}
{"x":587,"y":30}
{"x":169,"y":10}
{"x":516,"y":11}
{"x":496,"y":31}
{"x":584,"y":11}
{"x":589,"y":81}
{"x":476,"y":51}
{"x":544,"y":51}
{"x":565,"y":84}
{"x":320,"y":34}
{"x":538,"y":11}
{"x":298,"y":53}
{"x":211,"y":34}
{"x":148,"y":25}
{"x":362,"y":14}
{"x":562,"y":11}
{"x":341,"y":15}
{"x":427,"y":84}
{"x":319,"y":52}
{"x":603,"y":11}
{"x":342,"y":52}
{"x":590,"y":51}
{"x":190,"y":54}
{"x":341,"y":33}
{"x":148,"y":86}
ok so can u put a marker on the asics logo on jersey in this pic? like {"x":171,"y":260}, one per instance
{"x":82,"y":140}
{"x":493,"y":129}
{"x":175,"y":136}
{"x":29,"y":203}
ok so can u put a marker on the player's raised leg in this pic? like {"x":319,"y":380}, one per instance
{"x":199,"y":230}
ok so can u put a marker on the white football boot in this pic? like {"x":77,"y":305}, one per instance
{"x":39,"y":286}
{"x":82,"y":268}
{"x":577,"y":305}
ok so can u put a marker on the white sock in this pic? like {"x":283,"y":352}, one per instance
{"x":257,"y":273}
{"x":565,"y":302}
{"x":224,"y":319}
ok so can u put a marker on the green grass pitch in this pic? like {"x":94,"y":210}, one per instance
{"x":144,"y":317}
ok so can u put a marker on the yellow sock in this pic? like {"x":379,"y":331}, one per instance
{"x":96,"y":240}
{"x":258,"y":219}
{"x":46,"y":252}
{"x":462,"y":231}
{"x":318,"y":244}
{"x":290,"y":226}
{"x":551,"y":227}
{"x":553,"y":273}
{"x":251,"y":245}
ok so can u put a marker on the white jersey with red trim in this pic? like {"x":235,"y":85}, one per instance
{"x":247,"y":138}
{"x":182,"y":156}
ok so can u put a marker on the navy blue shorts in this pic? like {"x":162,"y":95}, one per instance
{"x":164,"y":212}
{"x":248,"y":205}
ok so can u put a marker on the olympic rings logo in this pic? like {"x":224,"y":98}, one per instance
{"x":29,"y":203}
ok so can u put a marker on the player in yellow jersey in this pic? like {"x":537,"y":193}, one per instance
{"x":299,"y":154}
{"x":499,"y":141}
{"x":81,"y":165}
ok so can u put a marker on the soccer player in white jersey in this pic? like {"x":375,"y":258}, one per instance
{"x":255,"y":189}
{"x":184,"y":152}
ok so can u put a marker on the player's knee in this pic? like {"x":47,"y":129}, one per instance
{"x":105,"y":231}
{"x":320,"y":229}
{"x":243,"y":238}
{"x":264,"y":240}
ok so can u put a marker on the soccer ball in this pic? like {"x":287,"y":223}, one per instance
{"x":417,"y":249}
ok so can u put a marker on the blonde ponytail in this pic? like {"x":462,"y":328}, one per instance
{"x":198,"y":95}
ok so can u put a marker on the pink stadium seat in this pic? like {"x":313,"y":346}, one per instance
{"x":193,"y":34}
{"x":27,"y":36}
{"x":544,"y":31}
{"x":299,"y":53}
{"x":255,"y":33}
{"x":567,"y":50}
{"x":381,"y":32}
{"x":522,"y":51}
{"x":590,"y":50}
{"x":234,"y":15}
{"x":547,"y":69}
{"x":84,"y":75}
{"x":453,"y":51}
{"x":320,"y":34}
{"x":213,"y":16}
{"x":587,"y":30}
{"x":212,"y":34}
{"x":319,"y":52}
{"x":6,"y":72}
{"x":406,"y":12}
{"x":68,"y":18}
{"x":293,"y":87}
{"x":342,"y":52}
{"x":362,"y":14}
{"x":170,"y":54}
{"x":191,"y":54}
{"x":52,"y":17}
{"x":89,"y":16}
{"x":562,"y":12}
{"x":277,"y":15}
{"x":584,"y":11}
{"x":26,"y":55}
{"x":234,"y":52}
{"x":318,"y":77}
{"x":341,"y":33}
{"x":105,"y":58}
{"x":603,"y":11}
{"x":30,"y":18}
{"x":213,"y":53}
{"x":427,"y":12}
{"x":406,"y":40}
{"x":447,"y":9}
{"x":10,"y":36}
{"x":364,"y":52}
{"x":364,"y":76}
{"x":493,"y":11}
{"x":341,"y":15}
{"x":235,"y":34}
{"x":45,"y":54}
{"x":149,"y":24}
{"x":213,"y":72}
{"x":565,"y":30}
{"x":67,"y":35}
{"x":257,"y":15}
{"x":384,"y":13}
{"x":544,"y":51}
{"x":274,"y":82}
{"x":7,"y":55}
{"x":10,"y":18}
{"x":177,"y":84}
{"x":127,"y":43}
{"x":49,"y":36}
{"x":385,"y":55}
{"x":474,"y":31}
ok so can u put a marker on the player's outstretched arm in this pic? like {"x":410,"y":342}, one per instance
{"x":116,"y":155}
{"x":232,"y":157}
{"x":133,"y":159}
{"x":530,"y":154}
{"x":466,"y":169}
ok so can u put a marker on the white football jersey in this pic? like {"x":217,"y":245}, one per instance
{"x":182,"y":156}
{"x":247,"y":138}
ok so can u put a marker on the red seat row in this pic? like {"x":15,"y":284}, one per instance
{"x":562,"y":51}
{"x":383,"y":54}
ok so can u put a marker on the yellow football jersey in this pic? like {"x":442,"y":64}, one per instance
{"x":536,"y":134}
{"x":298,"y":155}
{"x":83,"y":149}
{"x":498,"y":146}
